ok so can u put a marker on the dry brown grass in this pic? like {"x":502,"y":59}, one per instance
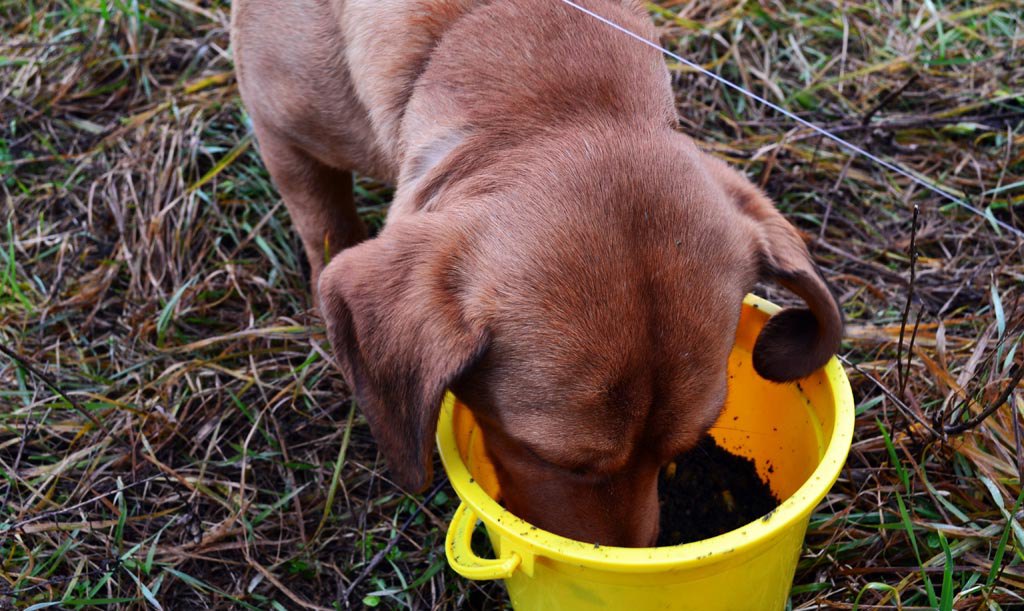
{"x":171,"y":430}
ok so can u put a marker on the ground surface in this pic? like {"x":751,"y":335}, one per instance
{"x":171,"y":431}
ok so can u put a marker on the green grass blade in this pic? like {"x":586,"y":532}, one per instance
{"x":946,"y":602}
{"x":167,"y":312}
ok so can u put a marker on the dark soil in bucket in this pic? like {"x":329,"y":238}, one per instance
{"x":709,"y":491}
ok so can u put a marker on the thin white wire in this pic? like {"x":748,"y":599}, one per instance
{"x":853,"y":147}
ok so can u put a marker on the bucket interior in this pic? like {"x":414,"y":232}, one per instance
{"x":784,"y":428}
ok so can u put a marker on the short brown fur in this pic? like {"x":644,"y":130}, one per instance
{"x":555,"y":253}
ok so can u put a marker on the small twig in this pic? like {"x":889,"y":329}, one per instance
{"x":24,"y":364}
{"x":953,"y":429}
{"x":886,"y":99}
{"x":25,"y":434}
{"x":53,"y":386}
{"x":128,"y":446}
{"x":108,"y":565}
{"x":1015,"y":419}
{"x":332,"y":490}
{"x":903,"y":407}
{"x":289,"y":478}
{"x":17,"y":526}
{"x":952,"y":411}
{"x":910,"y":348}
{"x":379,"y":556}
{"x":273,"y":579}
{"x":900,"y":376}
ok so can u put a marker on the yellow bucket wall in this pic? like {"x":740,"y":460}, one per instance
{"x":798,"y":435}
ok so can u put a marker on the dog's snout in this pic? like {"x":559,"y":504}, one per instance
{"x":622,"y":511}
{"x":643,"y":528}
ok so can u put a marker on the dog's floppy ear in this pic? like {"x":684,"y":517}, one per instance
{"x":796,"y":341}
{"x":400,"y":336}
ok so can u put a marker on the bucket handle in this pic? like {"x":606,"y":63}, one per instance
{"x":460,"y":553}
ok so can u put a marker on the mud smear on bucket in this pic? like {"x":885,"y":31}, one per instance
{"x":709,"y":491}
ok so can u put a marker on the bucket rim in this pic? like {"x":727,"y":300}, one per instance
{"x":760,"y":532}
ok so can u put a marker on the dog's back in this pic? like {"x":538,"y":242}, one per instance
{"x":336,"y":77}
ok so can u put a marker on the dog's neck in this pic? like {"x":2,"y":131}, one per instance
{"x":489,"y":86}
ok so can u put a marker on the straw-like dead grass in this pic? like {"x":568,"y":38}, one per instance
{"x":171,"y":432}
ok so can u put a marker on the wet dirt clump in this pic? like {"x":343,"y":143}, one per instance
{"x":709,"y":491}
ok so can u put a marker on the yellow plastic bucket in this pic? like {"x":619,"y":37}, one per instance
{"x":798,"y":435}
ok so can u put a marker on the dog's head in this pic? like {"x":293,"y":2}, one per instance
{"x":583,"y":306}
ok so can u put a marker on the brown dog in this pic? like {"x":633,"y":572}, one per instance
{"x":556,"y":253}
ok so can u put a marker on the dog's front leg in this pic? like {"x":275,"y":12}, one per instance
{"x":319,"y":199}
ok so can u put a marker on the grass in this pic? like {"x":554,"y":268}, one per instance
{"x":172,"y":434}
